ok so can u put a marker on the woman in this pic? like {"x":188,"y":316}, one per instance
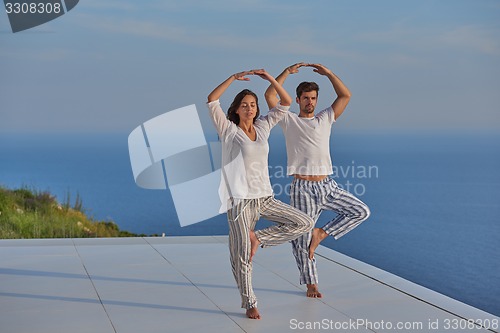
{"x":246,"y":191}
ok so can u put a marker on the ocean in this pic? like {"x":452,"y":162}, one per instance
{"x":434,"y":198}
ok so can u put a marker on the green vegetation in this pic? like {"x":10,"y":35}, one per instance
{"x":26,"y":213}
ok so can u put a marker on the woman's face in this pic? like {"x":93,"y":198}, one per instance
{"x":247,"y":109}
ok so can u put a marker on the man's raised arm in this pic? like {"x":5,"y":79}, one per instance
{"x":270,"y":94}
{"x":343,"y":93}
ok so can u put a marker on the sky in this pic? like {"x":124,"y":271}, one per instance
{"x":108,"y":66}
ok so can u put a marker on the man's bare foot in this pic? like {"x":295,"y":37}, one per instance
{"x":318,"y":235}
{"x":253,"y":313}
{"x":254,"y":244}
{"x":312,"y":291}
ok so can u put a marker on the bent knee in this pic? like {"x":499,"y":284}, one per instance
{"x":304,"y":223}
{"x":308,"y":223}
{"x":365,"y":212}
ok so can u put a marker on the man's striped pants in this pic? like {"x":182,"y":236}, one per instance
{"x":312,"y":197}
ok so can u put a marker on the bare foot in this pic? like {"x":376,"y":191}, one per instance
{"x":253,"y":313}
{"x":318,"y":235}
{"x":312,"y":291}
{"x":254,"y":244}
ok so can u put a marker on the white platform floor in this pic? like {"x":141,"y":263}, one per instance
{"x":184,"y":284}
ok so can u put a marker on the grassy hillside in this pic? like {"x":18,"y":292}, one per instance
{"x":26,"y":213}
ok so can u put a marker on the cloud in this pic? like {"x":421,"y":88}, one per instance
{"x":46,"y":55}
{"x":221,"y":7}
{"x":114,"y":5}
{"x":473,"y":38}
{"x":290,"y":39}
{"x":422,"y":46}
{"x":222,"y":24}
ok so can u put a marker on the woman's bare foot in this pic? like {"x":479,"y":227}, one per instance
{"x":254,"y":244}
{"x":318,"y":235}
{"x":253,"y":313}
{"x":312,"y":291}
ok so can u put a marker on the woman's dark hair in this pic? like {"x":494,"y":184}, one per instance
{"x":231,"y":112}
{"x":307,"y":87}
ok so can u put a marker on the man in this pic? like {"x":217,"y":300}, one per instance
{"x":307,"y":138}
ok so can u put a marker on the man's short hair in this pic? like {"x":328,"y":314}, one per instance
{"x":307,"y":87}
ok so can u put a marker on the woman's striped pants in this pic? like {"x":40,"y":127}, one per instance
{"x":242,"y":217}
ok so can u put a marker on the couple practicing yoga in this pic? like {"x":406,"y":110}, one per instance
{"x":246,"y":191}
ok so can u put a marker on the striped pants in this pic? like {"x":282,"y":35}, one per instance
{"x":312,"y":197}
{"x":242,"y":217}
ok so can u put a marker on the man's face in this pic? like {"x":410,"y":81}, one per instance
{"x":307,"y":102}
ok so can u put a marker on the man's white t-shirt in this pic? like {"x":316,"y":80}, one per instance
{"x":308,"y":143}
